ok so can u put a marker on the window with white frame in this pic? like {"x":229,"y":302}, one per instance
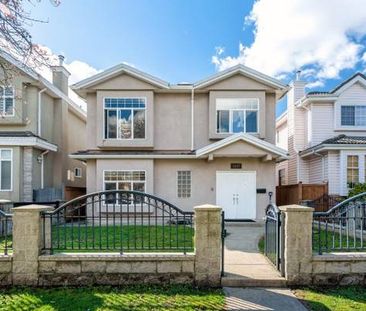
{"x":125,"y":180}
{"x":237,"y":115}
{"x":6,"y":158}
{"x":352,"y":171}
{"x":353,"y":115}
{"x":184,"y":184}
{"x":78,"y":172}
{"x":124,"y":118}
{"x":6,"y":100}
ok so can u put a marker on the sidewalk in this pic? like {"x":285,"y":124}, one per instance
{"x":262,"y":299}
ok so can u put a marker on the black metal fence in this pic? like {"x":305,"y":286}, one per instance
{"x":273,"y":235}
{"x":118,"y":221}
{"x":6,"y":226}
{"x":342,"y":228}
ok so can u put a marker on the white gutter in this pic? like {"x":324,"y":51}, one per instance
{"x":42,"y":167}
{"x":323,"y":166}
{"x":39,"y":110}
{"x":192,"y":119}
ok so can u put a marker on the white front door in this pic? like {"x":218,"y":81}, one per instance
{"x":236,"y":194}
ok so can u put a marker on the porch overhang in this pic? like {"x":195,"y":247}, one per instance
{"x":26,"y":139}
{"x":330,"y":147}
{"x":243,"y":145}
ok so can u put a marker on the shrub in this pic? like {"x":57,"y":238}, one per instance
{"x":357,"y":189}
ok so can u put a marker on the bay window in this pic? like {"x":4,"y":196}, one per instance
{"x":124,"y":118}
{"x":353,"y":115}
{"x":6,"y":101}
{"x":6,"y":158}
{"x":237,"y":115}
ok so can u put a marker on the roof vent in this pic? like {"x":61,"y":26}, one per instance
{"x":61,"y":59}
{"x":298,"y":74}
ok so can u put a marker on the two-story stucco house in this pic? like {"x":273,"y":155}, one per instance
{"x":325,"y":134}
{"x":39,"y":127}
{"x":212,"y":141}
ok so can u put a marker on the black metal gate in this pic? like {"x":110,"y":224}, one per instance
{"x":223,"y":235}
{"x":273,"y":236}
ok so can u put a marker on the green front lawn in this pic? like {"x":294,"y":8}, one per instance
{"x":168,"y":238}
{"x":335,"y":299}
{"x":125,"y":237}
{"x":179,"y":297}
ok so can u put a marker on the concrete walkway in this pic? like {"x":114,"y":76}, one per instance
{"x":261,"y":299}
{"x":244,"y":265}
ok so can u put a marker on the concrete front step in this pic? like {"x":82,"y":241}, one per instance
{"x":249,"y":282}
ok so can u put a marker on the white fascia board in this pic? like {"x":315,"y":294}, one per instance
{"x":244,"y":137}
{"x":327,"y":147}
{"x":356,"y":79}
{"x":28,"y":142}
{"x":303,"y":102}
{"x":256,"y":75}
{"x":136,"y":156}
{"x":118,"y":69}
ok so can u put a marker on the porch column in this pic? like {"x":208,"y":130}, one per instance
{"x":208,"y":245}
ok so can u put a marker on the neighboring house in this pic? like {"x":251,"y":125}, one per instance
{"x":208,"y":142}
{"x":39,"y":127}
{"x":326,"y":136}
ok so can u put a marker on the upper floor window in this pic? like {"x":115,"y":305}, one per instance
{"x":124,"y":118}
{"x":237,"y":115}
{"x":6,"y":101}
{"x":353,"y":115}
{"x":6,"y":158}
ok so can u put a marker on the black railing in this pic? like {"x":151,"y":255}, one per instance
{"x":6,"y":226}
{"x":325,"y":202}
{"x":272,"y":235}
{"x":342,"y":228}
{"x":118,"y":221}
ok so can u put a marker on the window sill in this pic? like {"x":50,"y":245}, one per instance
{"x":350,"y":129}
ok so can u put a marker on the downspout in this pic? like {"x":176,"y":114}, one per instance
{"x":42,"y":167}
{"x":192,"y":119}
{"x":39,"y":110}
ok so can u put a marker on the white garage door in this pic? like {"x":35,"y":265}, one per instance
{"x":236,"y":194}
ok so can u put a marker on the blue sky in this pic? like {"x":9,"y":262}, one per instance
{"x":188,"y":40}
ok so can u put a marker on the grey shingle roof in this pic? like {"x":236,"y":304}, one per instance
{"x":134,"y":152}
{"x":339,"y":140}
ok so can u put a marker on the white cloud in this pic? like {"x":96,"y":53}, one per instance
{"x":317,"y":83}
{"x":80,"y":70}
{"x":290,"y":34}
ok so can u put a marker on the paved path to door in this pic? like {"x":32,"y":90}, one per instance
{"x":263,"y":299}
{"x":242,"y":257}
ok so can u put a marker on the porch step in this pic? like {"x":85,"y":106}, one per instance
{"x":244,"y":224}
{"x":230,"y":281}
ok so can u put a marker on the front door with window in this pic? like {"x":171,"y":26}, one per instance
{"x":236,"y":194}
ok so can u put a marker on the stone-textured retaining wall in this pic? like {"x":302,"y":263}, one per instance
{"x":6,"y":269}
{"x":113,"y":269}
{"x":339,"y":269}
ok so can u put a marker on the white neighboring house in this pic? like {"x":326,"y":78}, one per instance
{"x":325,"y":134}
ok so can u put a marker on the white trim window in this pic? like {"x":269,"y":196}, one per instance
{"x":125,"y":118}
{"x":237,"y":115}
{"x":353,"y":115}
{"x":125,"y":180}
{"x":78,"y":172}
{"x":184,"y":184}
{"x":352,"y":171}
{"x":6,"y":169}
{"x":6,"y":101}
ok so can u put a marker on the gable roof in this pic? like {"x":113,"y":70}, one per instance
{"x":357,"y":77}
{"x":44,"y":82}
{"x":116,"y":70}
{"x":123,"y":68}
{"x":248,"y":138}
{"x":246,"y":71}
{"x":336,"y":143}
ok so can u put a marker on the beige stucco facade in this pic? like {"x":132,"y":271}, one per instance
{"x":181,"y":121}
{"x":43,"y":130}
